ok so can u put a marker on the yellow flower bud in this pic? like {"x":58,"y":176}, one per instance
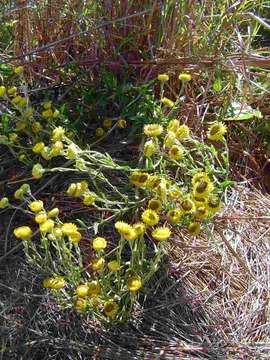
{"x":82,"y":290}
{"x":99,"y":132}
{"x":163,"y":77}
{"x":134,"y":283}
{"x":47,"y":113}
{"x":53,"y":213}
{"x":41,"y":218}
{"x":47,"y":105}
{"x":36,"y":127}
{"x":80,"y":305}
{"x":72,"y":151}
{"x":57,"y":148}
{"x":36,"y":206}
{"x":58,"y":133}
{"x":89,"y":198}
{"x":55,"y":283}
{"x":149,"y":148}
{"x":99,"y":243}
{"x":114,"y":266}
{"x":23,"y":232}
{"x":46,"y":226}
{"x":2,"y":90}
{"x":12,"y":90}
{"x":18,"y":195}
{"x":56,"y":114}
{"x":13,"y":137}
{"x":167,"y":102}
{"x":98,"y":264}
{"x":38,"y":148}
{"x":122,"y":124}
{"x":4,"y":202}
{"x":107,"y":123}
{"x":46,"y":153}
{"x":18,"y":70}
{"x":184,"y":77}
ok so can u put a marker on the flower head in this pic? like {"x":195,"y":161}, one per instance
{"x":58,"y":134}
{"x":36,"y":206}
{"x":23,"y":232}
{"x":150,"y":217}
{"x":163,"y":77}
{"x":37,"y":149}
{"x":216,"y":131}
{"x":161,"y":233}
{"x":134,"y":283}
{"x":111,"y":308}
{"x":155,"y":205}
{"x":173,"y":125}
{"x":169,"y":139}
{"x":153,"y":130}
{"x":182,"y":132}
{"x":199,"y":176}
{"x":139,"y":178}
{"x":41,"y":218}
{"x":98,"y":264}
{"x":113,"y":266}
{"x":194,"y":228}
{"x":202,"y":188}
{"x":175,"y":215}
{"x":55,"y":283}
{"x":99,"y":243}
{"x":122,"y":124}
{"x":167,"y":102}
{"x":126,"y":230}
{"x":176,"y":153}
{"x":139,"y":228}
{"x":89,"y":198}
{"x":107,"y":123}
{"x":69,"y":229}
{"x":94,"y":288}
{"x":149,"y":148}
{"x":38,"y":171}
{"x":46,"y":226}
{"x":4,"y":202}
{"x":2,"y":90}
{"x":80,"y":305}
{"x":201,"y":212}
{"x":184,"y":77}
{"x":213,"y":203}
{"x":82,"y":290}
{"x":99,"y":132}
{"x":53,"y":212}
{"x":187,"y":205}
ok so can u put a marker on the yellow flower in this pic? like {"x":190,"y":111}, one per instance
{"x":72,"y":189}
{"x":47,"y":113}
{"x":94,"y":288}
{"x":29,"y":112}
{"x":46,"y":153}
{"x":149,"y":148}
{"x":169,"y":139}
{"x":82,"y":290}
{"x":201,"y":212}
{"x":175,"y":193}
{"x":56,"y":114}
{"x":194,"y":228}
{"x":199,"y":176}
{"x":46,"y":226}
{"x":16,"y":100}
{"x":152,"y":182}
{"x":23,"y":232}
{"x":216,"y":131}
{"x":110,"y":308}
{"x":57,"y":148}
{"x":139,"y":228}
{"x":162,"y":189}
{"x":187,"y":205}
{"x":213,"y":203}
{"x":150,"y":217}
{"x":53,"y":213}
{"x":38,"y":148}
{"x":13,"y":137}
{"x":36,"y":127}
{"x":47,"y":105}
{"x":25,"y":188}
{"x":58,"y":133}
{"x":139,"y":178}
{"x":155,"y":205}
{"x":176,"y":153}
{"x":98,"y":264}
{"x":184,"y":77}
{"x":199,"y":201}
{"x":99,"y":243}
{"x":202,"y":188}
{"x":12,"y":90}
{"x":69,"y":229}
{"x":174,"y":215}
{"x":173,"y":125}
{"x":161,"y":233}
{"x":107,"y":123}
{"x":153,"y":130}
{"x":41,"y":218}
{"x":167,"y":102}
{"x":57,"y":232}
{"x":37,"y":171}
{"x":80,"y":305}
{"x":114,"y":265}
{"x":134,"y":283}
{"x":75,"y":237}
{"x":36,"y":206}
{"x":72,"y":151}
{"x":122,"y":123}
{"x":19,"y":194}
{"x":55,"y":283}
{"x":99,"y":132}
{"x":126,"y":230}
{"x":2,"y":90}
{"x":163,"y":77}
{"x":89,"y":198}
{"x":182,"y":132}
{"x":22,"y":102}
{"x":4,"y":202}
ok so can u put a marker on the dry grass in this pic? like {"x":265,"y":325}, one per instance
{"x":227,"y":273}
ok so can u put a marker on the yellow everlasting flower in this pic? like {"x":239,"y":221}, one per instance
{"x":55,"y":283}
{"x":89,"y":198}
{"x":23,"y":232}
{"x":36,"y":206}
{"x":167,"y":102}
{"x":169,"y":139}
{"x":194,"y":228}
{"x":46,"y":226}
{"x":99,"y":132}
{"x":12,"y":90}
{"x":41,"y":218}
{"x":149,"y":148}
{"x":187,"y":205}
{"x":184,"y":77}
{"x":153,"y":130}
{"x":173,"y":125}
{"x":53,"y":213}
{"x":175,"y":215}
{"x":199,"y":176}
{"x":2,"y":90}
{"x":57,"y":147}
{"x":107,"y":123}
{"x":47,"y":105}
{"x":37,"y":171}
{"x":134,"y":283}
{"x":98,"y":264}
{"x":111,"y":308}
{"x":155,"y":205}
{"x":46,"y":153}
{"x":72,"y":151}
{"x":213,"y":203}
{"x":36,"y":127}
{"x":175,"y":193}
{"x":202,"y":188}
{"x":19,"y":194}
{"x":38,"y":148}
{"x":152,"y":182}
{"x":161,"y":233}
{"x":139,"y":178}
{"x":182,"y":132}
{"x":82,"y":290}
{"x":47,"y":113}
{"x":94,"y":288}
{"x":201,"y":212}
{"x":176,"y":153}
{"x":114,"y":265}
{"x":56,"y":114}
{"x":139,"y":228}
{"x":4,"y":202}
{"x":13,"y":137}
{"x":216,"y":131}
{"x":163,"y":77}
{"x":75,"y":237}
{"x":99,"y":243}
{"x":58,"y":134}
{"x":122,"y":124}
{"x":69,"y":229}
{"x":150,"y":217}
{"x":80,"y":305}
{"x":126,"y":230}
